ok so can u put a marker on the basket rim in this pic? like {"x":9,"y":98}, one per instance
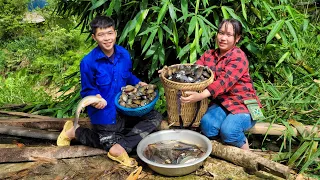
{"x":152,"y":103}
{"x":186,"y":84}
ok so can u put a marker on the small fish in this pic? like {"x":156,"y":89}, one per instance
{"x":88,"y":100}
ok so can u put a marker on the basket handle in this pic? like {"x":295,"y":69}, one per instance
{"x":179,"y":111}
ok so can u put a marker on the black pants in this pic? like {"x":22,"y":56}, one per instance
{"x":128,"y":131}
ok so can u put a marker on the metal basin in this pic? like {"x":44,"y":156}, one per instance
{"x":180,"y":135}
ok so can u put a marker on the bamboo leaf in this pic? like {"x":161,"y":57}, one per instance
{"x":184,"y":50}
{"x":162,"y":12}
{"x":275,"y":30}
{"x":283,"y":57}
{"x":244,"y":9}
{"x":172,"y":12}
{"x":154,"y":64}
{"x":193,"y":51}
{"x":269,"y":10}
{"x":150,"y":40}
{"x":166,"y":29}
{"x":117,"y":6}
{"x":184,"y":7}
{"x":110,"y":8}
{"x":292,"y":31}
{"x":207,"y":22}
{"x":224,"y":12}
{"x":289,"y":9}
{"x":161,"y":54}
{"x":140,"y":18}
{"x":97,"y":4}
{"x":131,"y":39}
{"x":160,"y":35}
{"x":192,"y":25}
{"x":124,"y":32}
{"x":204,"y":28}
{"x":151,"y":51}
{"x":148,"y":30}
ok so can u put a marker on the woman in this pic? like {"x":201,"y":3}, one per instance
{"x":228,"y":116}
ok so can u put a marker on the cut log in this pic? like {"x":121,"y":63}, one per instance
{"x":13,"y":106}
{"x":44,"y":124}
{"x":22,"y":114}
{"x":49,"y":119}
{"x":249,"y":160}
{"x":276,"y":129}
{"x":28,"y":132}
{"x":54,"y":152}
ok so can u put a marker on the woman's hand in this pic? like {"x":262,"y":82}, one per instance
{"x":101,"y":104}
{"x":194,"y":96}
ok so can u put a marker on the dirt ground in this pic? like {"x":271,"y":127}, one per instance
{"x":100,"y":167}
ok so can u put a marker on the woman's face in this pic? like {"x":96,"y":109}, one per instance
{"x":226,"y":38}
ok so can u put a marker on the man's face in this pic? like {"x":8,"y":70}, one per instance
{"x":226,"y":37}
{"x":106,"y":38}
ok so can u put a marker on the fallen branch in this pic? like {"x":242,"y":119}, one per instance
{"x":44,"y":124}
{"x":22,"y":114}
{"x":13,"y":106}
{"x":28,"y":132}
{"x":54,"y":152}
{"x":249,"y":160}
{"x":276,"y":129}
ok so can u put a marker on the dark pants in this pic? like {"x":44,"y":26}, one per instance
{"x":128,"y":131}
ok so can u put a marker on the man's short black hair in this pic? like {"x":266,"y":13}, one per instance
{"x":101,"y":22}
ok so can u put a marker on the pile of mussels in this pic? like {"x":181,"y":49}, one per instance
{"x":137,"y":96}
{"x":187,"y":73}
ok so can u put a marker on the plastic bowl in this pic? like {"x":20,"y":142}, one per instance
{"x":139,"y":111}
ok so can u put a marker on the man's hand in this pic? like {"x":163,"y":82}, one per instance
{"x":142,"y":83}
{"x":194,"y":96}
{"x":101,"y":104}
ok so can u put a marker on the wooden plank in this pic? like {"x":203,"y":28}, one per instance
{"x":22,"y":114}
{"x":249,"y":160}
{"x":28,"y":132}
{"x":53,"y":152}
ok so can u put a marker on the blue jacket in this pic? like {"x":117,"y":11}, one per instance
{"x":99,"y":75}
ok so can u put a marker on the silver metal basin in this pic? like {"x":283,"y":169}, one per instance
{"x":180,"y":135}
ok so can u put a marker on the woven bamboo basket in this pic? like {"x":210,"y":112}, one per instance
{"x":188,"y":110}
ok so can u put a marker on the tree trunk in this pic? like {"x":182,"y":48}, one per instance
{"x":54,"y":152}
{"x":249,"y":160}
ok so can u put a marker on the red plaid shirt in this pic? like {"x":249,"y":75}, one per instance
{"x":232,"y":82}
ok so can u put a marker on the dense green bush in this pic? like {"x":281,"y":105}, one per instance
{"x":11,"y":18}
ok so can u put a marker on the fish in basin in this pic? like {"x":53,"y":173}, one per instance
{"x":173,"y":152}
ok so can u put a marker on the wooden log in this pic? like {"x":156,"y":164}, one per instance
{"x":49,"y":119}
{"x":44,"y":124}
{"x":28,"y":132}
{"x":13,"y":106}
{"x":22,"y":114}
{"x":54,"y":152}
{"x":249,"y":160}
{"x":276,"y":129}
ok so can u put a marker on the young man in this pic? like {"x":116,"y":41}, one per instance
{"x":104,"y":71}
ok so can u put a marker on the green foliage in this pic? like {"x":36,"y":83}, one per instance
{"x":18,"y":90}
{"x":11,"y":15}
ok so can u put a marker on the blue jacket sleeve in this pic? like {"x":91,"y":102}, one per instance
{"x":88,"y":87}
